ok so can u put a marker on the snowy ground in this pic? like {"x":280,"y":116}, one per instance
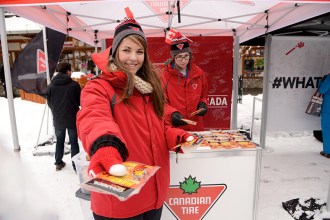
{"x":291,"y":168}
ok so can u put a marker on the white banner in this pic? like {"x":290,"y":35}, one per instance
{"x":296,"y":66}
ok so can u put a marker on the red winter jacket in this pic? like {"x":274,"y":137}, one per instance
{"x":137,"y":126}
{"x":183,"y":95}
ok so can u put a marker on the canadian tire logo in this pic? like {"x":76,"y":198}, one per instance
{"x":192,"y":200}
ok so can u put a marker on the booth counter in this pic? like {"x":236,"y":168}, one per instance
{"x":208,"y":184}
{"x":214,"y":184}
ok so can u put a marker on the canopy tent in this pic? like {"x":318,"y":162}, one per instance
{"x":90,"y":21}
{"x":93,"y":21}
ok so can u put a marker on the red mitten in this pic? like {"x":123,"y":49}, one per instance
{"x":106,"y":159}
{"x":188,"y":137}
{"x":185,"y":137}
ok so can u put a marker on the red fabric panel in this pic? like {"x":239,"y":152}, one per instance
{"x":214,"y":55}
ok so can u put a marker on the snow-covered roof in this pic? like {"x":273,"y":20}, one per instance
{"x":19,"y":25}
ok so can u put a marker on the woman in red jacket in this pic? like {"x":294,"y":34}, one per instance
{"x":132,"y":129}
{"x":186,"y":86}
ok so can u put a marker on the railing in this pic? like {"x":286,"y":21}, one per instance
{"x":32,"y":97}
{"x":253,"y":115}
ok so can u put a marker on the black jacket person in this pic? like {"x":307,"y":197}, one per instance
{"x":63,"y":98}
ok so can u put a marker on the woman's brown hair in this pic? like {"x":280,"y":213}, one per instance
{"x":147,"y":73}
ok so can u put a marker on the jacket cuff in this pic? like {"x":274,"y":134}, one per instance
{"x":109,"y":140}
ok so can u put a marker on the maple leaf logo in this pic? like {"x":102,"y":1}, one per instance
{"x":190,"y":185}
{"x":298,"y":45}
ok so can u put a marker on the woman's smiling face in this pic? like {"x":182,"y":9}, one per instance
{"x":131,"y":55}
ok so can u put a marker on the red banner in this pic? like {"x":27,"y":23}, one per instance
{"x":214,"y":55}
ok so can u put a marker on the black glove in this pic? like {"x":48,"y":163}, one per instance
{"x":176,"y":119}
{"x":202,"y":105}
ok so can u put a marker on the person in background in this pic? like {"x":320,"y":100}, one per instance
{"x":324,"y":89}
{"x":133,"y":129}
{"x":63,"y":98}
{"x":185,"y":85}
{"x":2,"y":79}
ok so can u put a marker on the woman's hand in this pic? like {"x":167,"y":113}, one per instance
{"x":107,"y":159}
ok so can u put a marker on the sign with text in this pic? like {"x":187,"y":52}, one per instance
{"x":191,"y":199}
{"x":41,"y":61}
{"x":297,"y":64}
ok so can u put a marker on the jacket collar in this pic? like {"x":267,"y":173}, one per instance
{"x":117,"y":79}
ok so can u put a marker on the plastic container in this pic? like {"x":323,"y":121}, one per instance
{"x":82,"y":168}
{"x":85,"y":204}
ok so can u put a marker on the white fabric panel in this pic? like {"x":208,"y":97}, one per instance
{"x":296,"y":65}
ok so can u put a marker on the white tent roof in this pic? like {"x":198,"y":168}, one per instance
{"x":19,"y":25}
{"x":95,"y":20}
